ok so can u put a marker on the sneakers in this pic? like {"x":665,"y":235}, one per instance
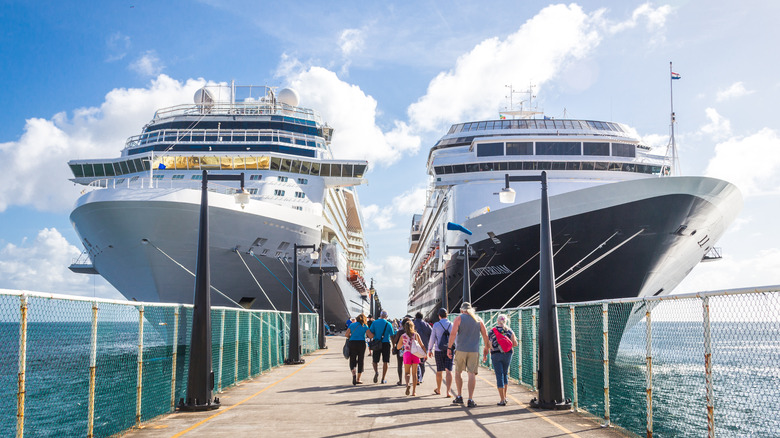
{"x":471,"y":403}
{"x":384,"y":381}
{"x":501,"y":403}
{"x":376,"y":377}
{"x":354,"y":379}
{"x":458,"y":400}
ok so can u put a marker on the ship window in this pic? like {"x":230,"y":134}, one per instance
{"x":623,"y":150}
{"x":209,"y":163}
{"x":520,"y":148}
{"x":360,"y":169}
{"x":77,"y":170}
{"x":275,"y":163}
{"x":253,"y":191}
{"x":140,"y":164}
{"x":515,"y":165}
{"x":458,"y":168}
{"x":158,"y":176}
{"x":131,"y":166}
{"x":305,"y":165}
{"x":558,"y":124}
{"x":573,"y":165}
{"x":490,"y":149}
{"x":315,"y":169}
{"x":300,"y":195}
{"x":558,"y":148}
{"x":99,"y":169}
{"x":177,"y":177}
{"x":238,"y":163}
{"x":123,"y":164}
{"x":335,"y":170}
{"x":346,"y":170}
{"x":473,"y":167}
{"x":199,"y":177}
{"x":596,"y":149}
{"x":255,"y":177}
{"x":543,"y":165}
{"x":169,"y":162}
{"x":325,"y":169}
{"x":88,"y":170}
{"x":600,"y":165}
{"x":614,"y":166}
{"x":278,"y":192}
{"x":117,"y":169}
{"x":629,"y":167}
{"x":285,"y":167}
{"x":181,"y":163}
{"x":263,"y":163}
{"x":501,"y":165}
{"x":193,"y":163}
{"x":529,"y":165}
{"x":109,"y":169}
{"x":587,"y":165}
{"x":303,"y":181}
{"x":120,"y":180}
{"x":558,"y":165}
{"x":281,"y":178}
{"x":133,"y":179}
{"x":295,"y":166}
{"x":485,"y":167}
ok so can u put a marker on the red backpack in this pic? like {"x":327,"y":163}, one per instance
{"x":504,"y":343}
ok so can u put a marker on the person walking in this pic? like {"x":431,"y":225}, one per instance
{"x":382,"y":328}
{"x":411,"y":362}
{"x":437,"y":348}
{"x":399,"y":354}
{"x":356,"y":333}
{"x":424,"y":330}
{"x":467,"y":328}
{"x":499,"y":356}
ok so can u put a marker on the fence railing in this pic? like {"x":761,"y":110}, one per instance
{"x":72,"y":366}
{"x":681,"y":365}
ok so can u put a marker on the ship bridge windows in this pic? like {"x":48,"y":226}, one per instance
{"x":623,"y":150}
{"x":490,"y":149}
{"x":558,"y":148}
{"x":546,"y":165}
{"x":520,"y":148}
{"x":596,"y":149}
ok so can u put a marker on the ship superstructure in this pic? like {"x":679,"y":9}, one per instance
{"x":138,"y":217}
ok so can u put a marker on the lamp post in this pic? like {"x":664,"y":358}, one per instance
{"x":444,"y":299}
{"x":466,"y":275}
{"x":200,"y":379}
{"x":550,"y":373}
{"x":294,"y":356}
{"x":321,"y":311}
{"x":371,"y":293}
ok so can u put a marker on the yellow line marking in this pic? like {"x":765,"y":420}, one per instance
{"x":533,"y":411}
{"x":222,"y":411}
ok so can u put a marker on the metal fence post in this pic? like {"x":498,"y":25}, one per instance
{"x":649,"y":377}
{"x":605,"y":347}
{"x":235,"y":355}
{"x":22,"y":367}
{"x":140,"y":365}
{"x":92,"y":370}
{"x":520,"y":345}
{"x":575,"y":402}
{"x":249,"y":346}
{"x":175,"y":353}
{"x":708,"y":367}
{"x":218,"y":383}
{"x":534,"y":333}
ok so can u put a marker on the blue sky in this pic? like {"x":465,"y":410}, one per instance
{"x":390,"y":78}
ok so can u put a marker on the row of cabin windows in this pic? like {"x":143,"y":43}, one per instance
{"x":548,"y":165}
{"x":556,"y":148}
{"x":256,"y":177}
{"x":219,"y":163}
{"x":535,"y":124}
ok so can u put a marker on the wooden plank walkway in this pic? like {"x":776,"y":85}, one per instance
{"x":318,"y":399}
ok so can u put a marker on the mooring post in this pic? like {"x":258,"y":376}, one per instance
{"x":92,"y":370}
{"x":649,"y":369}
{"x":22,"y":367}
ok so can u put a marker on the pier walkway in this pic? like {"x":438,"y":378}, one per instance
{"x":318,"y":399}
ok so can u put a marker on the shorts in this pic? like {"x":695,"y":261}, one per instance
{"x":468,"y":361}
{"x":384,"y":353}
{"x":410,"y":359}
{"x":443,"y":363}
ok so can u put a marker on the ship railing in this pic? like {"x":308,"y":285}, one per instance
{"x":685,"y":364}
{"x":239,"y":108}
{"x":122,"y":363}
{"x":238,"y":136}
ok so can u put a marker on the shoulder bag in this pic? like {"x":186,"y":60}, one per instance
{"x":376,"y":344}
{"x":416,"y":349}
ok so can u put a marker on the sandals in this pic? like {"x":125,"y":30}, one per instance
{"x":408,"y":389}
{"x":437,"y":392}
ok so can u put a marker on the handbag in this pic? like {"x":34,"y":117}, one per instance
{"x":346,"y":349}
{"x":416,"y":349}
{"x":376,"y":344}
{"x":504,"y":343}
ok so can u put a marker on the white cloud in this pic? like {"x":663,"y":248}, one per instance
{"x":378,"y":217}
{"x":655,"y":18}
{"x":735,"y":90}
{"x":751,"y":163}
{"x":352,"y":113}
{"x":148,"y":64}
{"x":42,"y":265}
{"x":391,"y":278}
{"x":405,"y":205}
{"x":117,"y":45}
{"x":33,"y":169}
{"x":351,"y":41}
{"x":718,"y":127}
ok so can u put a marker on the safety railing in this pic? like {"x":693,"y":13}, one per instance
{"x":92,"y":367}
{"x":679,"y":365}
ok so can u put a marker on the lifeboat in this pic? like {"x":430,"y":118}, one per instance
{"x":356,"y":280}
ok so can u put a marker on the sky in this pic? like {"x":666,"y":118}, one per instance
{"x":390,"y":78}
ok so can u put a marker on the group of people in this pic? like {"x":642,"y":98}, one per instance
{"x":448,"y":342}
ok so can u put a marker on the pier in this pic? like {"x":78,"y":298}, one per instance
{"x":318,"y":399}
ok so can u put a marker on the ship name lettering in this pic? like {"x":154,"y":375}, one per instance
{"x":492,"y":270}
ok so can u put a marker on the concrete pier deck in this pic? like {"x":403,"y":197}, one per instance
{"x":317,"y":399}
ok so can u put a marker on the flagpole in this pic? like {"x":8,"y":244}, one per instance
{"x":674,"y":164}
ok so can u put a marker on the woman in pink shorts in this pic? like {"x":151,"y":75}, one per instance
{"x":411,"y":362}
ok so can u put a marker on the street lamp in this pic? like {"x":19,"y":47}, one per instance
{"x":466,"y":275}
{"x":550,"y":374}
{"x":200,"y":379}
{"x":294,"y":356}
{"x":371,"y":293}
{"x":444,"y":300}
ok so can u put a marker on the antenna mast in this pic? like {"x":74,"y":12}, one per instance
{"x":671,"y":149}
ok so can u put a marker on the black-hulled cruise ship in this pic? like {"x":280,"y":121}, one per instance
{"x":622,"y":226}
{"x":138,"y":217}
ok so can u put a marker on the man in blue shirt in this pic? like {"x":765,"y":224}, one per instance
{"x":384,"y":330}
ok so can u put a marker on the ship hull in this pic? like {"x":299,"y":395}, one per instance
{"x":625,"y":239}
{"x":145,"y":244}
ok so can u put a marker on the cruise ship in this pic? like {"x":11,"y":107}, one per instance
{"x":623,"y":225}
{"x":138,"y":215}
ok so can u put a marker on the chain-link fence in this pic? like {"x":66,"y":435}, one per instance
{"x":680,"y":365}
{"x":73,"y":366}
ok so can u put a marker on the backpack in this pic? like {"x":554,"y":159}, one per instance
{"x":504,"y":343}
{"x":444,"y":341}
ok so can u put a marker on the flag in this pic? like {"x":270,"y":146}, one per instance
{"x":161,"y":166}
{"x":675,"y":75}
{"x":502,"y":117}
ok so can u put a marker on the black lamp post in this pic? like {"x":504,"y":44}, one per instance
{"x":321,"y":311}
{"x":466,"y":273}
{"x":444,"y":299}
{"x":200,"y":379}
{"x":294,"y":356}
{"x":549,"y":372}
{"x":371,"y":293}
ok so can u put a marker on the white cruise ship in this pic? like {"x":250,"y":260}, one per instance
{"x":622,"y":226}
{"x":138,"y":215}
